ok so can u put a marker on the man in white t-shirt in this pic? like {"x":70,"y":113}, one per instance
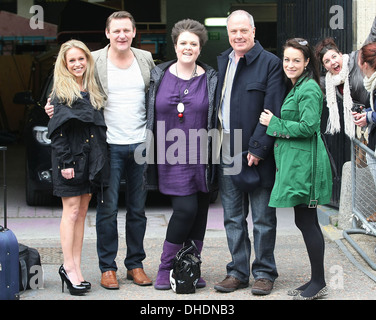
{"x":123,"y":73}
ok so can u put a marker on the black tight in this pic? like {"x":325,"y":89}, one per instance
{"x":189,"y":217}
{"x":307,"y":221}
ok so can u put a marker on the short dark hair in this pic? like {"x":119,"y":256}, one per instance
{"x":192,"y":26}
{"x":120,"y":15}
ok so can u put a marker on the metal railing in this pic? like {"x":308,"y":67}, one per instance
{"x":363,"y":165}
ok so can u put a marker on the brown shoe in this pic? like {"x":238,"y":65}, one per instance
{"x":139,"y":277}
{"x":230,"y":284}
{"x":262,"y":287}
{"x":109,"y":281}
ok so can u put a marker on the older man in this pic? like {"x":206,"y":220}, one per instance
{"x":250,"y":80}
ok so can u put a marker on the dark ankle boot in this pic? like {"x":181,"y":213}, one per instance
{"x":163,"y":277}
{"x":201,"y":283}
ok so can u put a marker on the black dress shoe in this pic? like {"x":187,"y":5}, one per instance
{"x":75,"y":290}
{"x":86,"y":284}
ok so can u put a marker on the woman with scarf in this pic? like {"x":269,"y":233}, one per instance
{"x":343,"y":85}
{"x":367,"y":63}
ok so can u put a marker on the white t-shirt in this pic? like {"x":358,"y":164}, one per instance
{"x":125,"y":112}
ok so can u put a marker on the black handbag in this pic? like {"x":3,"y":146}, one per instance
{"x":29,"y":257}
{"x":186,"y":270}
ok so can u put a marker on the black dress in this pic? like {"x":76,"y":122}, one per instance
{"x":339,"y":147}
{"x":78,"y":140}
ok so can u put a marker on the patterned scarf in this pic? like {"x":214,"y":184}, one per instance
{"x":331,"y":82}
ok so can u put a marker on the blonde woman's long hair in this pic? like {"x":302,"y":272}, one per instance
{"x":65,"y":88}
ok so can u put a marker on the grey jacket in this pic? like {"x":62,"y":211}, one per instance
{"x":144,"y":59}
{"x":358,"y":92}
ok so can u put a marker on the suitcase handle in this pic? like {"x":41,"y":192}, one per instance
{"x":4,"y":148}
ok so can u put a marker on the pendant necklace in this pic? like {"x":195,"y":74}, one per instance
{"x":180,"y":107}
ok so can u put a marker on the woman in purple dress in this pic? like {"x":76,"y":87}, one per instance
{"x":180,"y":108}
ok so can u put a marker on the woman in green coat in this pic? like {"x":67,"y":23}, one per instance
{"x":303,"y":177}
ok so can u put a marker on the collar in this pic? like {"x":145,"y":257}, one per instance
{"x":249,"y":57}
{"x":301,"y":79}
{"x":253,"y":54}
{"x":297,"y":85}
{"x":231,"y":56}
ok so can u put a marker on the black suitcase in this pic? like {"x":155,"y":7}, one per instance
{"x":9,"y":262}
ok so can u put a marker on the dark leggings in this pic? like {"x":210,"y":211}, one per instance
{"x":307,"y":221}
{"x":189,"y":217}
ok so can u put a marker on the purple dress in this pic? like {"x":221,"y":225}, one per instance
{"x":180,"y":158}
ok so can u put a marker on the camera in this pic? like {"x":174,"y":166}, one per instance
{"x":358,"y":107}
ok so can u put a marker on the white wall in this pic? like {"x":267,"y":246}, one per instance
{"x":364,"y":12}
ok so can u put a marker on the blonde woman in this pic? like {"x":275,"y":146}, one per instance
{"x":79,"y":152}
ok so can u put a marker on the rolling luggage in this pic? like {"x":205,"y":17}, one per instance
{"x":9,"y":262}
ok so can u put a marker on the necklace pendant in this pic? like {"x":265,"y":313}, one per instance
{"x":186,"y":91}
{"x":180,"y":107}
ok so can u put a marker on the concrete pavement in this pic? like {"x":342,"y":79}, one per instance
{"x":345,"y":280}
{"x":39,"y":227}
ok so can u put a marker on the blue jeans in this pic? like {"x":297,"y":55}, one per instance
{"x":236,"y":207}
{"x":122,"y":164}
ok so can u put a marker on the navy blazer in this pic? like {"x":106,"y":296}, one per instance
{"x":258,"y":84}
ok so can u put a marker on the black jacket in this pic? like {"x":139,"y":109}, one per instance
{"x":150,"y":172}
{"x":258,"y":84}
{"x":78,"y":140}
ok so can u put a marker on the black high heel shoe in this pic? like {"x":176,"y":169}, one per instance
{"x":74,"y":290}
{"x":86,"y":284}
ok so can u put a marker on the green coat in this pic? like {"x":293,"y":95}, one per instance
{"x":303,"y":168}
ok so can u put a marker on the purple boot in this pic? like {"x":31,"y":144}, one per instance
{"x":201,"y":283}
{"x":163,"y":277}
